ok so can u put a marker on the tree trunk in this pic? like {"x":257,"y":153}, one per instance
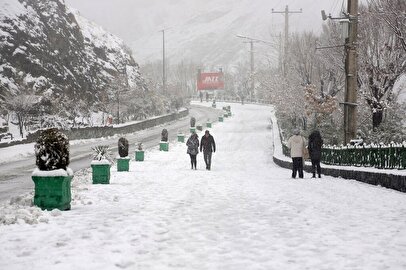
{"x":20,"y":125}
{"x":377,"y":117}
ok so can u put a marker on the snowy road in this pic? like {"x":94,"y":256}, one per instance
{"x":15,"y":173}
{"x":244,"y":214}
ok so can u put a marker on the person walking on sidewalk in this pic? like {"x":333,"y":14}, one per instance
{"x":209,"y":146}
{"x":297,"y":144}
{"x":193,"y":148}
{"x":315,"y":144}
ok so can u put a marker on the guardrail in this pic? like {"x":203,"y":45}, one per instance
{"x":392,"y":156}
{"x":234,"y":100}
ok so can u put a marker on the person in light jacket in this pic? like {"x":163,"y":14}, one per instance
{"x":315,"y":144}
{"x":296,"y":144}
{"x":193,"y":148}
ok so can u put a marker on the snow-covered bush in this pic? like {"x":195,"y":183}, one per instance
{"x":164,"y":135}
{"x":52,"y":150}
{"x":139,"y":146}
{"x":123,"y":147}
{"x":101,"y":152}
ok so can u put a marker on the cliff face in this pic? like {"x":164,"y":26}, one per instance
{"x":50,"y":50}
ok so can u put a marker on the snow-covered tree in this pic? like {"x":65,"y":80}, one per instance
{"x":382,"y":61}
{"x":22,"y":107}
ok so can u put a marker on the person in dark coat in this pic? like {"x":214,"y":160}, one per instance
{"x":315,"y":144}
{"x":193,"y":148}
{"x":209,"y":146}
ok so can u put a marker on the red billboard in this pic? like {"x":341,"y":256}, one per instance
{"x":210,"y":81}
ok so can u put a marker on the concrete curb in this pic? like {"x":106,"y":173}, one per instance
{"x":396,"y":182}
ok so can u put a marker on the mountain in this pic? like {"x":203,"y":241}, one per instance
{"x":52,"y":51}
{"x":204,"y":31}
{"x":208,"y":34}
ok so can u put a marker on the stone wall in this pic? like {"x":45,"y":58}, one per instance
{"x":98,"y":132}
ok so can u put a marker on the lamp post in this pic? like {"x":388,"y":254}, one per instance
{"x":163,"y":61}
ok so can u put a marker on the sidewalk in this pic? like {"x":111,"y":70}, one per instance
{"x":246,"y":213}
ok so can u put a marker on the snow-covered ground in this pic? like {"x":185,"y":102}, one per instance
{"x":246,"y":213}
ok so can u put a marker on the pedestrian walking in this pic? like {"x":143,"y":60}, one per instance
{"x":193,"y":148}
{"x":201,"y":96}
{"x":209,"y":146}
{"x":314,"y":146}
{"x":297,"y":144}
{"x":207,"y":96}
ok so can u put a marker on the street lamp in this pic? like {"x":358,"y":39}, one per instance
{"x":163,"y":62}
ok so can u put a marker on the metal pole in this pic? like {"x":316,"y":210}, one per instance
{"x":252,"y":69}
{"x":285,"y":63}
{"x":280,"y":53}
{"x":350,"y":102}
{"x":163,"y":62}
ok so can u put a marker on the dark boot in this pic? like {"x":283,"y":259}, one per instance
{"x":319,"y":175}
{"x":314,"y":175}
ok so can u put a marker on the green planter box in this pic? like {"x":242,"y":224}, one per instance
{"x":213,"y":105}
{"x":221,"y":119}
{"x":199,"y":127}
{"x":208,"y":124}
{"x":192,"y":129}
{"x":139,"y":155}
{"x":164,"y":146}
{"x":123,"y":164}
{"x":225,"y":115}
{"x":52,"y":192}
{"x":181,"y":138}
{"x":101,"y":173}
{"x":229,"y":113}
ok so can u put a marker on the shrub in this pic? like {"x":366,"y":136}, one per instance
{"x":123,"y":147}
{"x":139,"y":146}
{"x":52,"y":150}
{"x":164,"y":135}
{"x":192,"y":122}
{"x":101,"y":152}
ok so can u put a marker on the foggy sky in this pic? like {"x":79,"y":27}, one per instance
{"x":134,"y":20}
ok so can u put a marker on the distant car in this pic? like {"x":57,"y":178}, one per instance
{"x":357,"y":142}
{"x":5,"y":136}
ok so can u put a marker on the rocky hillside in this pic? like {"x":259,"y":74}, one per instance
{"x":49,"y":50}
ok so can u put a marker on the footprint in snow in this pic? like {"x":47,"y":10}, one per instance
{"x":124,"y":264}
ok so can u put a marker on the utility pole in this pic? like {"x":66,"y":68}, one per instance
{"x":286,"y":13}
{"x":252,"y":69}
{"x":163,"y":62}
{"x":280,"y":53}
{"x":350,"y":101}
{"x":252,"y":41}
